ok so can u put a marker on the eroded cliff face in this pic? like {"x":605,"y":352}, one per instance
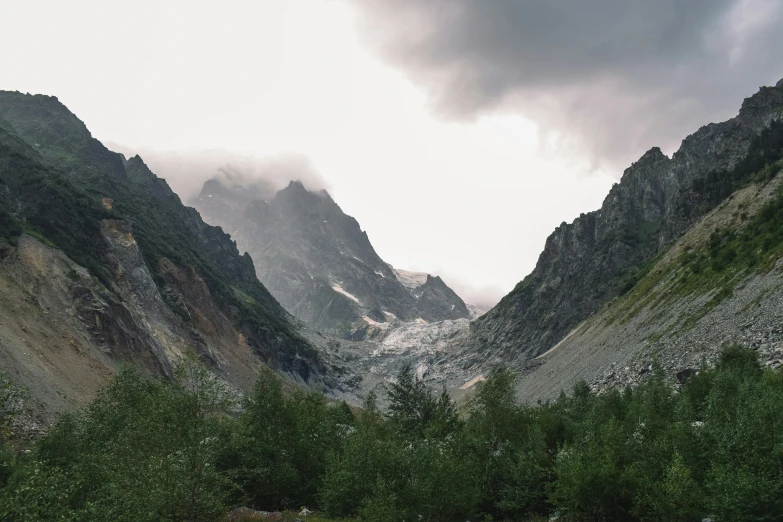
{"x":601,"y":254}
{"x":62,"y":333}
{"x":98,"y":249}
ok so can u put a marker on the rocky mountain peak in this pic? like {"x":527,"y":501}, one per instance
{"x":652,"y":155}
{"x":298,"y":203}
{"x":215,"y":187}
{"x":295,"y":186}
{"x":762,"y":101}
{"x":295,"y":190}
{"x":320,"y":264}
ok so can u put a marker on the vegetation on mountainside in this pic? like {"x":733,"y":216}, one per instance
{"x":153,"y":450}
{"x":53,"y":176}
{"x":727,"y":249}
{"x":753,"y":243}
{"x":42,"y":203}
{"x":757,"y":241}
{"x":761,"y":163}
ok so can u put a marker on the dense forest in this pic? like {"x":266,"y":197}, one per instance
{"x":192,"y":449}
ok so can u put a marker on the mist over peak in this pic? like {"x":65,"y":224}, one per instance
{"x":259,"y":176}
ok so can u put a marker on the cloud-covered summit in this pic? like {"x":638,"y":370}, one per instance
{"x":611,"y":77}
{"x":186,"y":172}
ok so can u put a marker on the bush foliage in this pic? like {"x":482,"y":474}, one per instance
{"x":190,"y":449}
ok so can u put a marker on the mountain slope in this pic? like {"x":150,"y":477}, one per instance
{"x":603,"y":254}
{"x":136,"y":275}
{"x":697,"y":297}
{"x":318,"y":262}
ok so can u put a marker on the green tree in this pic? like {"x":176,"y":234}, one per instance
{"x":144,"y":449}
{"x":676,"y":497}
{"x":411,"y":404}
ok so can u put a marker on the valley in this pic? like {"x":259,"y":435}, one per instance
{"x":612,"y":292}
{"x":263,"y":325}
{"x":321,"y":266}
{"x":391,"y":261}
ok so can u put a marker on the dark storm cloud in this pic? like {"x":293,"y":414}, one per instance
{"x":613,"y":76}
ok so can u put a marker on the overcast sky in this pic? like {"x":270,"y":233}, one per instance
{"x":459,"y":133}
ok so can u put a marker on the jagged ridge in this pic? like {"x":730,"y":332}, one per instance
{"x":603,"y":253}
{"x":320,"y":264}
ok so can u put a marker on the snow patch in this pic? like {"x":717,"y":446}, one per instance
{"x":338,"y":288}
{"x":380,"y":274}
{"x":376,"y":324}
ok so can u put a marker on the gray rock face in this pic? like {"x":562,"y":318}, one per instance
{"x":319,"y":263}
{"x":593,"y":259}
{"x":620,"y":345}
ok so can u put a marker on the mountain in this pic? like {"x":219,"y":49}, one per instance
{"x":660,"y":232}
{"x":101,"y":264}
{"x":720,"y":283}
{"x":319,"y":264}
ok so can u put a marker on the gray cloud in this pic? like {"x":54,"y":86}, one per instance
{"x":186,"y":172}
{"x":610,"y":77}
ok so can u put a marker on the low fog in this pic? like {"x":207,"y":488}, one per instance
{"x":186,"y":172}
{"x":484,"y":297}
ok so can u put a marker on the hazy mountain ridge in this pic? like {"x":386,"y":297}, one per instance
{"x":604,"y":253}
{"x":320,"y":265}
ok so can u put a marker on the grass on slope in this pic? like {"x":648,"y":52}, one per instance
{"x":753,"y":243}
